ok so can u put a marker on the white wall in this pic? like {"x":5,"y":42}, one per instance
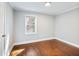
{"x":44,"y":26}
{"x":7,"y":17}
{"x":64,"y":26}
{"x":67,"y":26}
{"x":8,"y":27}
{"x":1,"y":28}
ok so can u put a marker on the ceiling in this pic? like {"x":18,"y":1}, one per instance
{"x":56,"y":8}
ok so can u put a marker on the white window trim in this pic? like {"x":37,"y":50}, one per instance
{"x":35,"y":25}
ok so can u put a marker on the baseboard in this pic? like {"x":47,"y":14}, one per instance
{"x":47,"y":39}
{"x":34,"y":41}
{"x":75,"y":45}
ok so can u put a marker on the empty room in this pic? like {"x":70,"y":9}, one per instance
{"x":39,"y":28}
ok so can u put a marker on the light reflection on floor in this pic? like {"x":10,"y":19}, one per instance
{"x":16,"y":52}
{"x":31,"y":52}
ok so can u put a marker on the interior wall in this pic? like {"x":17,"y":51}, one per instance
{"x":8,"y":27}
{"x":6,"y":15}
{"x":64,"y":26}
{"x":1,"y":28}
{"x":45,"y":25}
{"x":67,"y":26}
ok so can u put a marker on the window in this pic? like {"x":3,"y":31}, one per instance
{"x":30,"y":25}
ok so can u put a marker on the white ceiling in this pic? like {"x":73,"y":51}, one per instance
{"x":55,"y":9}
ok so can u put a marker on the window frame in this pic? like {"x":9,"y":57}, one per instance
{"x":35,"y":25}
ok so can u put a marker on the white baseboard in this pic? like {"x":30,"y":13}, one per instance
{"x":47,"y":39}
{"x":75,"y":45}
{"x":31,"y":41}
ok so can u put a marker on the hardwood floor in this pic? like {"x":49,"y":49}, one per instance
{"x":45,"y":48}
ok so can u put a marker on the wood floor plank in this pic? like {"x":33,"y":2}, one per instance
{"x":45,"y":48}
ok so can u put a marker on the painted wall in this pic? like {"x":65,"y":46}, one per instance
{"x":7,"y":16}
{"x":67,"y":26}
{"x":64,"y":26}
{"x":44,"y":26}
{"x":8,"y":26}
{"x":1,"y":28}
